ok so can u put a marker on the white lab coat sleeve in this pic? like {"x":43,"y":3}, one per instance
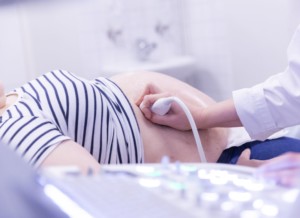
{"x":274,"y":104}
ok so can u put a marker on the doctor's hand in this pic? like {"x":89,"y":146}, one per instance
{"x":284,"y":170}
{"x":175,"y":117}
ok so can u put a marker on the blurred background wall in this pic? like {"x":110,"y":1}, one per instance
{"x":229,"y":44}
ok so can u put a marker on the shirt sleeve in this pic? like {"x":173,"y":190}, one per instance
{"x":33,"y":138}
{"x":274,"y":104}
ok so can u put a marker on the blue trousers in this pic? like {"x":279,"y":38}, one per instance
{"x":261,"y":150}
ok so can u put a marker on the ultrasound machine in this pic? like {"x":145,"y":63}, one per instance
{"x":164,"y":190}
{"x":169,"y":190}
{"x":147,"y":190}
{"x":175,"y":190}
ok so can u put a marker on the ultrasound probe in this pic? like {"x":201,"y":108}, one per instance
{"x":163,"y":105}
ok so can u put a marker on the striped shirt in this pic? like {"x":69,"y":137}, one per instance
{"x":59,"y":106}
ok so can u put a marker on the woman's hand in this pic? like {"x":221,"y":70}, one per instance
{"x":245,"y":160}
{"x":2,"y":96}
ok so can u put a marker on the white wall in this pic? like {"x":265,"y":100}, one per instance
{"x":259,"y":34}
{"x":12,"y":52}
{"x":207,"y":40}
{"x":53,"y":35}
{"x":73,"y":35}
{"x":238,"y":43}
{"x":294,"y":15}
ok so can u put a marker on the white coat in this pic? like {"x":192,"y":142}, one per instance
{"x":274,"y":104}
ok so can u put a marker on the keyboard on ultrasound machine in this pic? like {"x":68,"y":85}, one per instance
{"x":175,"y":190}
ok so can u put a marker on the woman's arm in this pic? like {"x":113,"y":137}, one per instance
{"x":70,"y":153}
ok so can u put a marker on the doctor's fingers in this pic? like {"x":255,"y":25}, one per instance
{"x":147,"y":102}
{"x":171,"y":119}
{"x":165,"y":120}
{"x":148,"y":90}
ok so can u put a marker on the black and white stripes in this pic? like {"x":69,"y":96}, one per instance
{"x":59,"y":106}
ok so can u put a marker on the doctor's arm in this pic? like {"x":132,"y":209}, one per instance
{"x":221,"y":114}
{"x":262,"y":109}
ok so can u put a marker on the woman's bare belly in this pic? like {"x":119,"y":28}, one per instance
{"x":160,"y":140}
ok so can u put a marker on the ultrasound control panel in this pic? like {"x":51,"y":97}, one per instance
{"x":178,"y":190}
{"x":215,"y":190}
